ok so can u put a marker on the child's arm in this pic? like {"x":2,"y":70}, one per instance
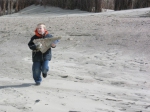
{"x":31,"y":45}
{"x":53,"y":45}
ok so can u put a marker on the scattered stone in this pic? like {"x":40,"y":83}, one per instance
{"x":61,"y":97}
{"x":123,"y":109}
{"x":147,"y":106}
{"x":91,"y":95}
{"x":63,"y":104}
{"x":74,"y":111}
{"x":96,"y":99}
{"x":63,"y":76}
{"x":98,"y":79}
{"x":70,"y":39}
{"x":113,"y":99}
{"x":79,"y":78}
{"x":36,"y":101}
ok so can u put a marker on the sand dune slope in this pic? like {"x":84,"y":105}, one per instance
{"x":101,"y":64}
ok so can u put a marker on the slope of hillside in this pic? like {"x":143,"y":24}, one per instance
{"x":104,"y":57}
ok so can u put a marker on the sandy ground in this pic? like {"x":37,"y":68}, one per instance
{"x":102,"y":63}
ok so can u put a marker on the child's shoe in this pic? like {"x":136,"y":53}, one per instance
{"x":37,"y":83}
{"x":44,"y":75}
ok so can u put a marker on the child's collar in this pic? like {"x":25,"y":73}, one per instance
{"x":39,"y":35}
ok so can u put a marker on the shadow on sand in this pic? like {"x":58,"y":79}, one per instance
{"x":17,"y":86}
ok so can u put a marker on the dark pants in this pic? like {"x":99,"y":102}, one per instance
{"x":39,"y":67}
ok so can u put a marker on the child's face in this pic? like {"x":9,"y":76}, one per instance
{"x":41,"y":29}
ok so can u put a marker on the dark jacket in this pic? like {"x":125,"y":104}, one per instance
{"x":38,"y":55}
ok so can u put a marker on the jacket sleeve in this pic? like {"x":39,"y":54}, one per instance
{"x":31,"y":45}
{"x":55,"y":42}
{"x":50,"y":36}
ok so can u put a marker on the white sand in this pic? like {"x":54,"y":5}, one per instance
{"x":106,"y":57}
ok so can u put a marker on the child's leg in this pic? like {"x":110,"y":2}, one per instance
{"x":45,"y":68}
{"x":36,"y":69}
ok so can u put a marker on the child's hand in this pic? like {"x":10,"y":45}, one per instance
{"x":53,"y":45}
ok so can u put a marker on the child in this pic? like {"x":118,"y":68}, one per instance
{"x":40,"y":60}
